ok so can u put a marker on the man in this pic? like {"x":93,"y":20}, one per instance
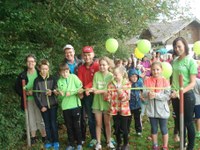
{"x":70,"y":59}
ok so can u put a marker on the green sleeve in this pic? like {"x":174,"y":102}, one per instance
{"x":77,"y":85}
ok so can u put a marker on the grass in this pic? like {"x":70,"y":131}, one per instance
{"x":136,"y":142}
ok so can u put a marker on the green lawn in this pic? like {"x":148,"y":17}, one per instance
{"x":136,"y":142}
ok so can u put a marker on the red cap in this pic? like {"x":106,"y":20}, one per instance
{"x":87,"y":49}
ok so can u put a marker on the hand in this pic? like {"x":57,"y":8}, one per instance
{"x":29,"y":93}
{"x":43,"y":109}
{"x":56,"y":92}
{"x":49,"y":92}
{"x":152,"y":95}
{"x":67,"y":94}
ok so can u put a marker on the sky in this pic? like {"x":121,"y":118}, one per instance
{"x":194,"y":4}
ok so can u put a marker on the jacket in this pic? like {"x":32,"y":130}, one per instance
{"x":18,"y":85}
{"x":157,"y":107}
{"x":41,"y":99}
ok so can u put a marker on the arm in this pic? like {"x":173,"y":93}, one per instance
{"x":78,"y":85}
{"x":191,"y":85}
{"x":36,"y":95}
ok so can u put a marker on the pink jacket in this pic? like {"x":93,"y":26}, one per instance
{"x":119,"y":101}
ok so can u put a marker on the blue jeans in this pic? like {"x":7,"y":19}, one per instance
{"x":86,"y":103}
{"x":51,"y":126}
{"x":154,"y":125}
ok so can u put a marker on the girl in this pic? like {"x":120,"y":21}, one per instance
{"x":185,"y":65}
{"x":99,"y":106}
{"x":47,"y":103}
{"x":68,"y":87}
{"x":157,"y":109}
{"x":119,"y":96}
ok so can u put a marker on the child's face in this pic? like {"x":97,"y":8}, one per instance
{"x":44,"y":70}
{"x":88,"y":57}
{"x":64,"y":73}
{"x":118,"y":76}
{"x":156,"y":71}
{"x":103,"y":66}
{"x":134,"y":78}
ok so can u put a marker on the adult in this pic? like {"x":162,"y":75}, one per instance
{"x":34,"y":115}
{"x":185,"y":65}
{"x":70,"y":59}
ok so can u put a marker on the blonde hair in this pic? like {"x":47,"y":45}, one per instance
{"x":122,"y":70}
{"x":156,"y":63}
{"x":109,"y":61}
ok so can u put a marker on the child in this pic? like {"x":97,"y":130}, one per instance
{"x":47,"y":103}
{"x":197,"y":107}
{"x":157,"y":109}
{"x":135,"y":102}
{"x":119,"y":96}
{"x":86,"y":73}
{"x":68,"y":87}
{"x":99,"y":106}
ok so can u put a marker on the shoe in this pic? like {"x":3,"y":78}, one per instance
{"x":70,"y":148}
{"x":139,"y":133}
{"x":44,"y":139}
{"x":82,"y":142}
{"x":113,"y":141}
{"x":33,"y":140}
{"x":119,"y":147}
{"x":164,"y":148}
{"x":98,"y":146}
{"x":110,"y":145}
{"x":176,"y":138}
{"x":125,"y":147}
{"x":155,"y":147}
{"x":48,"y":145}
{"x":92,"y":143}
{"x":56,"y":145}
{"x":79,"y":147}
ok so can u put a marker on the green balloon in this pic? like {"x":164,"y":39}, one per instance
{"x":166,"y":69}
{"x":144,"y":46}
{"x":196,"y":47}
{"x":111,"y":45}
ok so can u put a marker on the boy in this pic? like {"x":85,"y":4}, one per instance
{"x":86,"y":73}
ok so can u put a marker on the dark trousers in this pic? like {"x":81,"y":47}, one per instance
{"x":87,"y":110}
{"x":51,"y":126}
{"x":189,"y":103}
{"x":121,"y":127}
{"x":136,"y":114}
{"x":72,"y":122}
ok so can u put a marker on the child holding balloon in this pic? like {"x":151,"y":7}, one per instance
{"x":157,"y":109}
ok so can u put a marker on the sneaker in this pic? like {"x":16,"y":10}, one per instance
{"x":110,"y":145}
{"x":176,"y":138}
{"x":82,"y":142}
{"x":164,"y":148}
{"x":70,"y":148}
{"x":44,"y":139}
{"x":98,"y":146}
{"x":155,"y":147}
{"x":79,"y":147}
{"x":56,"y":145}
{"x":113,"y":141}
{"x":92,"y":143}
{"x":48,"y":145}
{"x":139,"y":133}
{"x":33,"y":140}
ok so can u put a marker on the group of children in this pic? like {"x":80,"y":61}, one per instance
{"x":102,"y":91}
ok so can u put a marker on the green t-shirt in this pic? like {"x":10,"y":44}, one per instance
{"x":186,"y":66}
{"x":100,"y":82}
{"x":29,"y":86}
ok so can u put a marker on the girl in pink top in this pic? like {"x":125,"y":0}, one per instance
{"x":119,"y":95}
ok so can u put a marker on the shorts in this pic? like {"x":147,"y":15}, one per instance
{"x":197,"y":111}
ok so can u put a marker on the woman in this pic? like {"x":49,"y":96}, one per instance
{"x":186,"y":66}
